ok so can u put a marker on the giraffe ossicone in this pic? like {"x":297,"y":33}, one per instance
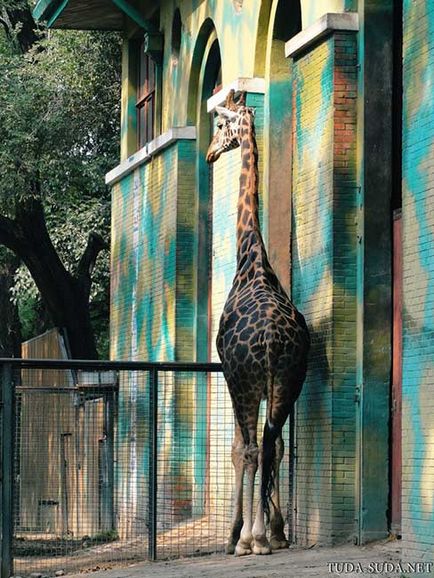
{"x":263,"y":343}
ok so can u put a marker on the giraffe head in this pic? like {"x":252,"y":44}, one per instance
{"x":231,"y":118}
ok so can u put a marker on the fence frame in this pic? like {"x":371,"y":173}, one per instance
{"x":7,"y":408}
{"x":7,"y":441}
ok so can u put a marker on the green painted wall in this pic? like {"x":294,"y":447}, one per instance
{"x":324,"y":285}
{"x":242,"y":35}
{"x":418,"y":319}
{"x":308,"y":155}
{"x":153,"y":318}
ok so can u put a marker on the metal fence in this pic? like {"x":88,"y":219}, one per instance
{"x":107,"y":463}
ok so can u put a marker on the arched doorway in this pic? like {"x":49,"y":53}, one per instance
{"x":205,"y":78}
{"x":284,"y":23}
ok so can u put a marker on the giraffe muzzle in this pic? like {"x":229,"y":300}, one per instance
{"x":212,"y":156}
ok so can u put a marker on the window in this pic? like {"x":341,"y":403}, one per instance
{"x":145,"y":104}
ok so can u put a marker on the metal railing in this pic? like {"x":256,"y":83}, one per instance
{"x":114,"y":462}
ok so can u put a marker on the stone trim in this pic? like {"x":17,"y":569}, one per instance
{"x":151,"y":149}
{"x":330,"y":22}
{"x":256,"y":85}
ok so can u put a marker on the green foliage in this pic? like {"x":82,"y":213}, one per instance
{"x":59,"y":126}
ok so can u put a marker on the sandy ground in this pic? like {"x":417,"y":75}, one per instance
{"x":293,"y":563}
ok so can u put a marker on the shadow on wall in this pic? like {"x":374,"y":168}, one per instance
{"x":319,"y":363}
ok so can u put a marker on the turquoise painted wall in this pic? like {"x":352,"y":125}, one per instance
{"x":418,"y":319}
{"x":324,"y":285}
{"x":155,"y":294}
{"x":153,"y":319}
{"x":242,"y":31}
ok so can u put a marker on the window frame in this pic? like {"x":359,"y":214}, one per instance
{"x":146,"y":89}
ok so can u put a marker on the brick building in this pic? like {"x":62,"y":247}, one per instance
{"x":345,"y":122}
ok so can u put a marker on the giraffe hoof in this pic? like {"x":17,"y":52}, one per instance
{"x":278,"y":543}
{"x":261,"y":546}
{"x":242,"y":550}
{"x":230,"y":548}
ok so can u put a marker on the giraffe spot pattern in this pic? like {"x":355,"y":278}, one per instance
{"x":262,"y":338}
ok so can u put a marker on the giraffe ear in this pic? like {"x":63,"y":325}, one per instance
{"x":242,"y":98}
{"x":230,"y":102}
{"x":225,"y":112}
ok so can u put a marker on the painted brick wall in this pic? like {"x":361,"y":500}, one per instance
{"x":344,"y":285}
{"x":185,"y":247}
{"x":418,"y":309}
{"x":143,"y":261}
{"x":324,"y":285}
{"x":152,"y":305}
{"x":152,"y":259}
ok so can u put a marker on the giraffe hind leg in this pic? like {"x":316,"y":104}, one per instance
{"x":244,"y":544}
{"x":278,"y":539}
{"x":260,"y":543}
{"x":238,"y":464}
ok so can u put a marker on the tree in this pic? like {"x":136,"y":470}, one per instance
{"x":10,"y":335}
{"x":59,"y":121}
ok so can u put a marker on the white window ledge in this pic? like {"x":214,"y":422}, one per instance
{"x":148,"y":151}
{"x":256,"y":85}
{"x":346,"y":21}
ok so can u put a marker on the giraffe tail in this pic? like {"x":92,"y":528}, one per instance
{"x":270,"y":435}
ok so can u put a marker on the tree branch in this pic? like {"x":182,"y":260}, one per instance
{"x":10,"y":334}
{"x":9,"y":234}
{"x":5,"y":26}
{"x":86,"y":265}
{"x":26,"y":35}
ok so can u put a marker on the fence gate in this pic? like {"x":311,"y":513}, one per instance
{"x":110,"y":463}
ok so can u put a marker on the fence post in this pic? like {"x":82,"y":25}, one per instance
{"x":7,"y":468}
{"x":153,"y":465}
{"x":109,"y":426}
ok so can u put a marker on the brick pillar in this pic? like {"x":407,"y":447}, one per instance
{"x":324,"y":270}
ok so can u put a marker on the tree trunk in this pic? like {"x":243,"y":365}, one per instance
{"x":73,"y":317}
{"x":65,"y":295}
{"x":10,"y":334}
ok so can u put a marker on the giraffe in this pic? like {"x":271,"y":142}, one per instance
{"x":263,"y":343}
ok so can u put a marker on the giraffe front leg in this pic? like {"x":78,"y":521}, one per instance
{"x":277,"y":539}
{"x":238,"y":463}
{"x":244,"y":545}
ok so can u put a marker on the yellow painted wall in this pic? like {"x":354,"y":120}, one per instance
{"x":241,"y":28}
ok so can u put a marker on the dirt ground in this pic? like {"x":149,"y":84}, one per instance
{"x":378,"y":559}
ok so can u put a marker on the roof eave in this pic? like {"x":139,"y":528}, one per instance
{"x":51,"y":10}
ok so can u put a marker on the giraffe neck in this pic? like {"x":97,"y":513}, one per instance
{"x":248,"y":203}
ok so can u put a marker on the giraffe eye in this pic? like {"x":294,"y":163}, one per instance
{"x":220,"y":124}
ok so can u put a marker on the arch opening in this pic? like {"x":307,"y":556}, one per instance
{"x":211,"y":80}
{"x":284,"y":23}
{"x":176,"y":34}
{"x":205,"y":78}
{"x":287,"y":20}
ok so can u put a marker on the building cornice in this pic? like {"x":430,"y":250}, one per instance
{"x":327,"y":24}
{"x":151,"y":149}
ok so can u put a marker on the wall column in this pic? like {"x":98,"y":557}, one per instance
{"x":374,"y":283}
{"x":324,"y":272}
